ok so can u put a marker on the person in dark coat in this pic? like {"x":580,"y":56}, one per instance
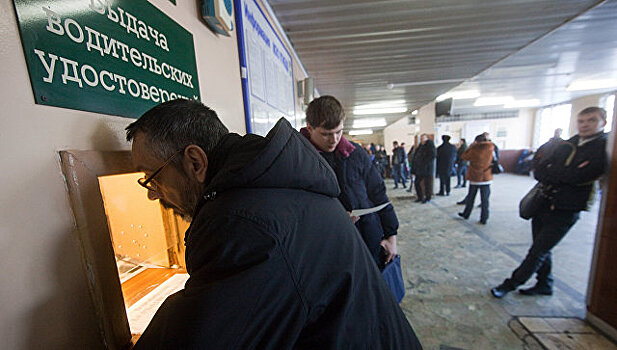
{"x":446,"y":156}
{"x":568,"y":172}
{"x":273,"y":258}
{"x":398,"y":164}
{"x":381,"y":160}
{"x":410,"y":154}
{"x":423,"y":166}
{"x":461,"y":165}
{"x":360,"y":183}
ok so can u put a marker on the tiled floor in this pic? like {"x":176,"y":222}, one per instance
{"x":565,"y":333}
{"x":450,"y":264}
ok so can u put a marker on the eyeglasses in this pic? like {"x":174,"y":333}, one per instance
{"x":146,"y":181}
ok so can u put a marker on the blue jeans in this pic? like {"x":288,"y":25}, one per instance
{"x":547,"y":229}
{"x":461,"y":171}
{"x":398,"y":174}
{"x":485,"y":192}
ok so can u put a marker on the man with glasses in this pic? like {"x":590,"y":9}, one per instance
{"x":273,"y":258}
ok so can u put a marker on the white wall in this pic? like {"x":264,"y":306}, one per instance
{"x":399,"y":131}
{"x":426,"y":116}
{"x":44,"y":297}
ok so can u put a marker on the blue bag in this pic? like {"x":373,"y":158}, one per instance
{"x":394,"y":278}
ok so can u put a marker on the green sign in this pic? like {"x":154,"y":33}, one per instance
{"x":118,"y":57}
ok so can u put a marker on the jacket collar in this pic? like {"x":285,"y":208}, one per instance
{"x":344,"y":147}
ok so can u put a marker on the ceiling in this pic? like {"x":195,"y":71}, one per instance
{"x":366,"y":51}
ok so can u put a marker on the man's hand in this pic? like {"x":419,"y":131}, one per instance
{"x":389,"y":244}
{"x":353,"y":218}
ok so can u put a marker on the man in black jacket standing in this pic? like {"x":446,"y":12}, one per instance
{"x":446,"y":156}
{"x":568,"y":174}
{"x":398,"y":164}
{"x":423,"y":167}
{"x":273,"y":258}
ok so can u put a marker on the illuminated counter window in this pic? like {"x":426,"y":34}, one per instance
{"x":148,"y":244}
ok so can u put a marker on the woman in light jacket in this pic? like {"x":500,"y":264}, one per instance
{"x":480,"y":156}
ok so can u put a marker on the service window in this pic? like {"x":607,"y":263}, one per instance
{"x":148,"y":244}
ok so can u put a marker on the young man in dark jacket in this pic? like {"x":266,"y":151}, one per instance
{"x":568,"y":173}
{"x":273,"y":258}
{"x":360,"y":183}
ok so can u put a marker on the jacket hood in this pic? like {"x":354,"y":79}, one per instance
{"x":282,"y":159}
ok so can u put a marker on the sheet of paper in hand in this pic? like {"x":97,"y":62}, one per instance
{"x":360,"y":212}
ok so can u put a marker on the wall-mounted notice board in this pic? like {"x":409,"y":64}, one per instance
{"x":117,"y":57}
{"x":266,"y":65}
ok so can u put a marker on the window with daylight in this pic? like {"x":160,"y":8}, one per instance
{"x":551,"y":118}
{"x":608,"y":103}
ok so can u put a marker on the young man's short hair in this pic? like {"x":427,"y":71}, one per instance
{"x":326,"y":112}
{"x":593,"y":110}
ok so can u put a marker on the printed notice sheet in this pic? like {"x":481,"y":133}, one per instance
{"x":142,"y":311}
{"x":360,"y":212}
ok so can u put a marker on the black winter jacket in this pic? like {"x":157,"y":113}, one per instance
{"x":570,"y":182}
{"x":362,"y":187}
{"x":274,"y":260}
{"x":423,"y":163}
{"x":446,"y":156}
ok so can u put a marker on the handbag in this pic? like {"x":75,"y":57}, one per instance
{"x":393,"y":276}
{"x":496,"y":168}
{"x":534,"y":201}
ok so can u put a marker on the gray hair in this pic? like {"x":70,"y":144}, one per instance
{"x":173,"y":125}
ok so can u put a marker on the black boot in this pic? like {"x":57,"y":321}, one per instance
{"x":538,"y":289}
{"x":501,"y":290}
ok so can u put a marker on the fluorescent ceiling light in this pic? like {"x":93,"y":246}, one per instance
{"x":387,"y":110}
{"x":534,"y":102}
{"x":493,"y":101}
{"x":392,"y":103}
{"x":369,"y":123}
{"x":425,"y":82}
{"x":579,"y":85}
{"x":385,"y":107}
{"x":459,"y":95}
{"x":361,"y":132}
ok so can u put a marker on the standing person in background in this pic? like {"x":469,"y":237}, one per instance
{"x":496,"y":149}
{"x":568,"y":172}
{"x":398,"y":157}
{"x":381,"y":160}
{"x":424,"y":168}
{"x":557,"y":135}
{"x":360,"y":183}
{"x":405,"y":164}
{"x":480,"y":156}
{"x":410,"y":154}
{"x":446,"y":156}
{"x":461,"y":165}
